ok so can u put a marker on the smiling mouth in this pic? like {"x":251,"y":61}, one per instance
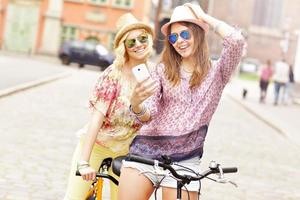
{"x":183,"y":47}
{"x":138,"y":51}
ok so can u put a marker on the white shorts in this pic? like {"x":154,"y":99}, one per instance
{"x":167,"y":181}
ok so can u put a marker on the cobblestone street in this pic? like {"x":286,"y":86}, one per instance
{"x":38,"y":128}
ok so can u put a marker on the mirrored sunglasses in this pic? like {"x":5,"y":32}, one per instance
{"x":142,"y":38}
{"x":183,"y":34}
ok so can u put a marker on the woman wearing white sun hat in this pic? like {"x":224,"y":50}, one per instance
{"x":177,"y":116}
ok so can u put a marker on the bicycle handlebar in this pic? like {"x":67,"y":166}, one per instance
{"x":102,"y":175}
{"x":212,"y":170}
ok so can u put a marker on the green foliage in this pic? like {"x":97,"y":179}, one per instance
{"x":249,"y":76}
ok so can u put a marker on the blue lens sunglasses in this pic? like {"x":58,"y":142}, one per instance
{"x":185,"y":34}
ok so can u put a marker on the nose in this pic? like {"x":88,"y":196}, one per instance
{"x":137,"y":43}
{"x":180,"y":39}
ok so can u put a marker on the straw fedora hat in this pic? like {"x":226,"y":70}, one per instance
{"x":128,"y":22}
{"x":184,"y":14}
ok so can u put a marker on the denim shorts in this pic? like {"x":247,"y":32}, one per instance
{"x":167,"y":181}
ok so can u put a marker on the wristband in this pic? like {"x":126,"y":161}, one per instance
{"x":82,"y":164}
{"x":216,"y":27}
{"x":143,"y":111}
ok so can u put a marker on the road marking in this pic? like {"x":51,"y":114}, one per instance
{"x":32,"y":84}
{"x":251,"y":111}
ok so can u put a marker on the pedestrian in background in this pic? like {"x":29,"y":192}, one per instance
{"x":177,"y":116}
{"x":280,"y":78}
{"x":111,"y":127}
{"x":265,"y":75}
{"x":290,"y":86}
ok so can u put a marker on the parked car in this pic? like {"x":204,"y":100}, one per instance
{"x":85,"y":53}
{"x":249,"y":65}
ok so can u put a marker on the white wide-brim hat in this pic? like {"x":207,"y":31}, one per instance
{"x":184,"y":14}
{"x":126,"y":23}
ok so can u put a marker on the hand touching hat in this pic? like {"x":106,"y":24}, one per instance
{"x":197,"y":10}
{"x":187,"y":13}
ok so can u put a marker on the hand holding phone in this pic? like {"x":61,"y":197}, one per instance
{"x":140,"y":72}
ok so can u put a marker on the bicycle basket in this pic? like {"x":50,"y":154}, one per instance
{"x":95,"y":192}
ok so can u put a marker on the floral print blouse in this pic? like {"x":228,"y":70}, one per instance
{"x":111,"y":97}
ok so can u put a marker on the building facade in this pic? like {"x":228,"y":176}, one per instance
{"x":40,"y":26}
{"x":271,"y":28}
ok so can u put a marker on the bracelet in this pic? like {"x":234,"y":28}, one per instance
{"x":79,"y":167}
{"x":143,"y":111}
{"x":82,"y":164}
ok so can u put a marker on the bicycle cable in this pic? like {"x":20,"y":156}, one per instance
{"x":157,"y":186}
{"x":188,"y":192}
{"x":188,"y":169}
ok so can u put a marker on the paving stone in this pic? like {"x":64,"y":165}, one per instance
{"x":38,"y":139}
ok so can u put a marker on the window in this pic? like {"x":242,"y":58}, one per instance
{"x":89,"y":46}
{"x":76,"y":1}
{"x":123,"y":3}
{"x":77,"y":44}
{"x":267,"y":13}
{"x":69,"y":33}
{"x":102,"y":50}
{"x":98,"y":1}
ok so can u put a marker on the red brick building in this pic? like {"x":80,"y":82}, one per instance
{"x":39,"y":26}
{"x":97,"y":19}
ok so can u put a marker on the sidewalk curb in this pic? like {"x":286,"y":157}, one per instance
{"x":258,"y":116}
{"x":32,"y":84}
{"x":297,"y":101}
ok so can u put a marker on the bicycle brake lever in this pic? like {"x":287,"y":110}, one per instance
{"x":233,"y":183}
{"x":221,"y":174}
{"x":224,"y":180}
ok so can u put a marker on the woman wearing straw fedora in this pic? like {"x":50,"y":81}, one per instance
{"x":111,"y":127}
{"x":178,"y":114}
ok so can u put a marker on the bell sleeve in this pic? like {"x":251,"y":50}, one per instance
{"x":104,"y":92}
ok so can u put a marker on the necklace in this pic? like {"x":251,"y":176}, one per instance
{"x":187,"y":71}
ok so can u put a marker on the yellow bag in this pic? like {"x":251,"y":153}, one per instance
{"x":95,"y":192}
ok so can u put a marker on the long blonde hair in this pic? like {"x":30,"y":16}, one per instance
{"x":121,"y":53}
{"x":172,"y":60}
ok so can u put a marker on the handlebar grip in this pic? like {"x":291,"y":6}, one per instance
{"x":230,"y":170}
{"x":77,"y":173}
{"x":140,"y":159}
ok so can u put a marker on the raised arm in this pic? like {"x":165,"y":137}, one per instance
{"x":219,"y":27}
{"x":233,"y":42}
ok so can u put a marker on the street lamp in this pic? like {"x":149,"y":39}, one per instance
{"x":297,"y":59}
{"x":284,"y":43}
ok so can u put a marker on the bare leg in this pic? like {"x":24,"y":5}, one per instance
{"x":133,"y":185}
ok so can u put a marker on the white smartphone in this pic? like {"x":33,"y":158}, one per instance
{"x":140,"y":72}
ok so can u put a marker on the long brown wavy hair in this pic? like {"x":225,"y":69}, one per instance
{"x":172,"y":60}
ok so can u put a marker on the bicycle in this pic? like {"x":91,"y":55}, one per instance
{"x":160,"y":168}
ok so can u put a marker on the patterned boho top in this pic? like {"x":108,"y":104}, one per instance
{"x":111,"y":97}
{"x":180,"y":116}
